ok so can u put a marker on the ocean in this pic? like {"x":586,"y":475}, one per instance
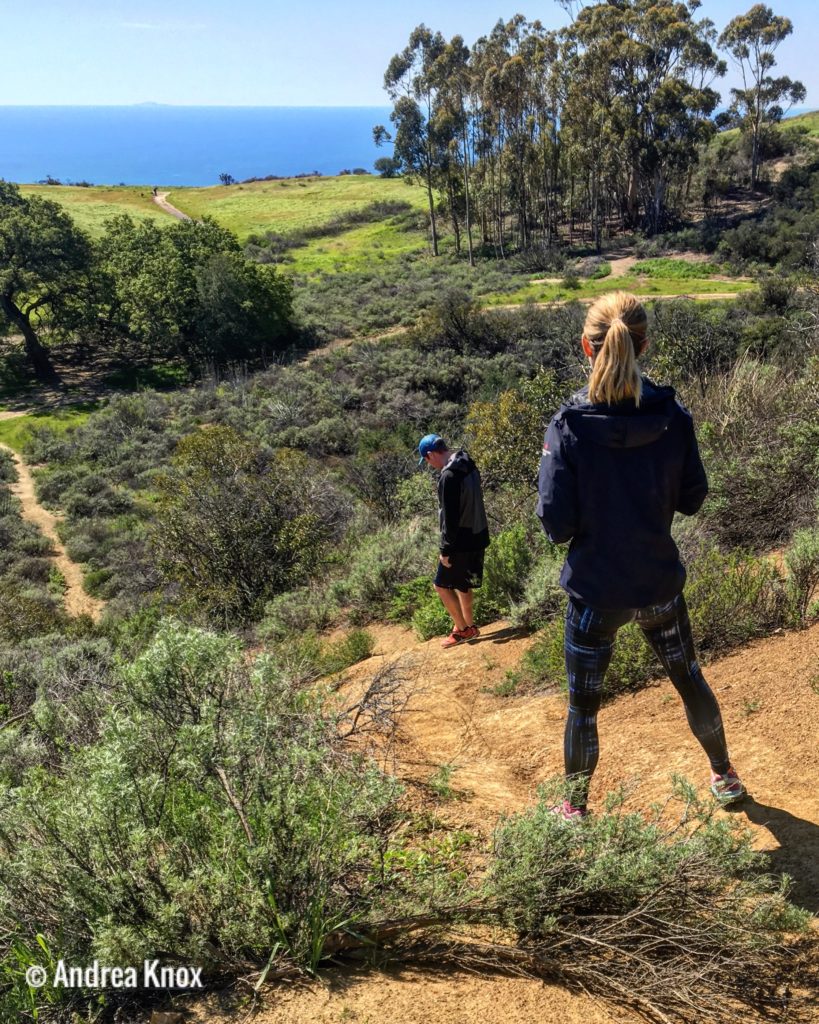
{"x":153,"y":144}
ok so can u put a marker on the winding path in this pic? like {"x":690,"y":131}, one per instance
{"x":77,"y":601}
{"x":161,"y":200}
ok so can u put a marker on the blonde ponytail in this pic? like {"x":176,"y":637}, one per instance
{"x":615,"y":327}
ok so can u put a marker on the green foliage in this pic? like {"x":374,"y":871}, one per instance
{"x":205,"y":769}
{"x":303,"y":610}
{"x":45,"y":270}
{"x":506,"y":434}
{"x":379,"y":565}
{"x":783,"y":236}
{"x":506,"y":566}
{"x":430,"y":618}
{"x":751,"y":39}
{"x":732,"y":597}
{"x":543,"y":598}
{"x":802,"y":560}
{"x":232,"y":526}
{"x":620,"y":880}
{"x":25,"y":613}
{"x":357,"y":645}
{"x":759,"y":437}
{"x":676,"y":269}
{"x":543,"y":665}
{"x":187,"y":291}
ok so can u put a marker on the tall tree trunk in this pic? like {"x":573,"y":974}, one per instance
{"x":454,"y":214}
{"x":466,"y":196}
{"x":36,"y":352}
{"x":432,"y":223}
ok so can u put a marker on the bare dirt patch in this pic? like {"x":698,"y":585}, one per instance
{"x":501,"y":747}
{"x":77,"y":601}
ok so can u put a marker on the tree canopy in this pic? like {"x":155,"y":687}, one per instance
{"x":532,"y":134}
{"x":45,"y":265}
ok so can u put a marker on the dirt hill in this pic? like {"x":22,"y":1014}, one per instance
{"x":501,"y":747}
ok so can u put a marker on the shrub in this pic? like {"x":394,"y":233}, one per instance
{"x":733,"y":598}
{"x":357,"y":645}
{"x":802,"y":560}
{"x":543,"y":665}
{"x":431,"y":618}
{"x":542,"y":597}
{"x":26,"y":613}
{"x":506,"y":566}
{"x":506,"y":434}
{"x":663,"y":908}
{"x":676,"y":269}
{"x":233,"y":527}
{"x":305,"y":610}
{"x":379,"y":565}
{"x":218,"y":815}
{"x":759,"y":436}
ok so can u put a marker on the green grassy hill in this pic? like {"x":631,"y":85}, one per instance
{"x":91,"y":207}
{"x":286,"y":206}
{"x":292,"y":203}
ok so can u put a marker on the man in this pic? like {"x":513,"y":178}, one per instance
{"x":464,"y":533}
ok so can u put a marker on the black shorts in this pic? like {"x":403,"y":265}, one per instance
{"x":466,"y":571}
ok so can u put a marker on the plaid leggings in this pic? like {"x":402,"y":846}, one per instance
{"x":588,"y":646}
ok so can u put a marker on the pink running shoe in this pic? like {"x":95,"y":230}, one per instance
{"x":727,"y":788}
{"x":568,"y":812}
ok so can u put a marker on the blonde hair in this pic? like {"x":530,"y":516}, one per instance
{"x":615,"y":327}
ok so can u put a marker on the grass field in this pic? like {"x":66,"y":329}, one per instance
{"x":15,"y":432}
{"x":291,"y":203}
{"x":284,"y":207}
{"x":809,"y":121}
{"x":91,"y":207}
{"x":639,"y":284}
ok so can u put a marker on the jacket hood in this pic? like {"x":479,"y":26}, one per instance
{"x":461,"y":462}
{"x":622,"y":425}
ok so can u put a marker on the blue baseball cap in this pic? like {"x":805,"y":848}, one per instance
{"x":429,"y":443}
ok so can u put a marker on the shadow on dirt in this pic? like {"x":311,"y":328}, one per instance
{"x":798,"y":852}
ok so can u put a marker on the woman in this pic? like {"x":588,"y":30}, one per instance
{"x":619,"y":459}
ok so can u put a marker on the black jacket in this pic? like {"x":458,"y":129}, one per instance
{"x":611,"y":479}
{"x":460,"y":500}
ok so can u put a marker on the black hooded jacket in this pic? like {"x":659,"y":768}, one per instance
{"x":463,"y":522}
{"x":611,"y":479}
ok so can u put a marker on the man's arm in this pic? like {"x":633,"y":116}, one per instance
{"x":557,"y":506}
{"x":694,"y":483}
{"x":450,"y":510}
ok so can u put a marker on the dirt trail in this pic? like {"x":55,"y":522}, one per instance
{"x":77,"y":601}
{"x":161,"y":200}
{"x":501,"y":748}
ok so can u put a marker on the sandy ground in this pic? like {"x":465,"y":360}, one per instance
{"x":502,"y":747}
{"x":77,"y":601}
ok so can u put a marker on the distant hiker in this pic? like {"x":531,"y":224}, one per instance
{"x":154,"y":191}
{"x":464,"y":533}
{"x":619,"y":459}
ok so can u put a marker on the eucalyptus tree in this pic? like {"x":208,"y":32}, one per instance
{"x":410,"y":83}
{"x":451,"y":75}
{"x":751,"y":40}
{"x":661,"y":63}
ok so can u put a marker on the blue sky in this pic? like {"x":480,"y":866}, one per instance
{"x":269,"y":52}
